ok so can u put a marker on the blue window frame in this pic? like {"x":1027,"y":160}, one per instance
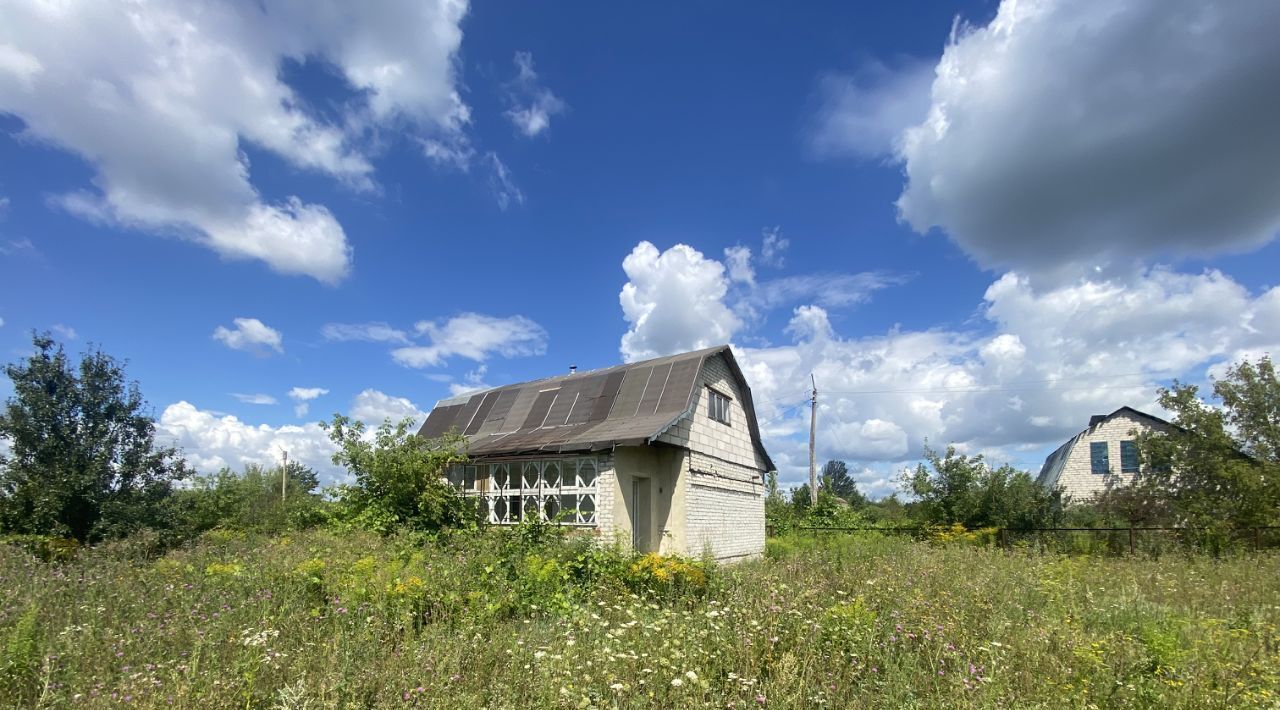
{"x":1128,"y":456}
{"x":1098,"y":459}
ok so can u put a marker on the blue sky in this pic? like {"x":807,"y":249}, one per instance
{"x":977,"y":223}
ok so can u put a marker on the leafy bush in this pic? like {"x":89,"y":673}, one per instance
{"x":250,"y":501}
{"x":399,"y":482}
{"x":955,"y":488}
{"x":668,"y":577}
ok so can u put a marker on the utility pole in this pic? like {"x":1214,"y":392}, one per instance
{"x":284,"y":474}
{"x":813,"y":434}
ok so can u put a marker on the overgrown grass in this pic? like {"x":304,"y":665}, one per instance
{"x":521,"y":619}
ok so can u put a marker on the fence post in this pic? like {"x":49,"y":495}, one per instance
{"x":1004,"y":538}
{"x":1257,"y":538}
{"x":1132,"y":551}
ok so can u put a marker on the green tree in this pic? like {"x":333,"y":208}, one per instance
{"x":835,"y":478}
{"x":1220,"y":466}
{"x":83,"y":461}
{"x":955,"y":488}
{"x":399,"y":477}
{"x":250,"y":500}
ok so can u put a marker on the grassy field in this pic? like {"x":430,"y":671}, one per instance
{"x":325,"y":619}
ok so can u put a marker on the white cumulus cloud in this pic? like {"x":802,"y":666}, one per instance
{"x":673,"y":301}
{"x":210,"y":441}
{"x":374,"y":407}
{"x":160,"y":98}
{"x":251,"y":335}
{"x":1090,"y":133}
{"x":680,"y":299}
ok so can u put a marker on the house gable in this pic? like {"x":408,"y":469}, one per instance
{"x":1072,"y":464}
{"x":733,"y":442}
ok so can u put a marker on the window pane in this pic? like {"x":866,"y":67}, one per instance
{"x":499,"y":473}
{"x":469,"y":478}
{"x":531,"y":474}
{"x":1128,"y":457}
{"x":551,"y":474}
{"x":454,"y":475}
{"x":717,"y":406}
{"x":551,"y":507}
{"x":587,"y":508}
{"x":500,"y":510}
{"x":531,"y":507}
{"x":1098,"y":462}
{"x":587,"y":473}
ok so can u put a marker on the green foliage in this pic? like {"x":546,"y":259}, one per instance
{"x":83,"y":462}
{"x":1221,"y":465}
{"x":21,"y":660}
{"x":249,"y":501}
{"x":398,"y":478}
{"x":836,"y":479}
{"x":45,"y":547}
{"x":668,"y":577}
{"x":850,"y":628}
{"x":965,"y":490}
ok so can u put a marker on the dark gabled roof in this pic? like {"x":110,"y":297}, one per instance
{"x":626,"y":405}
{"x":1053,"y":464}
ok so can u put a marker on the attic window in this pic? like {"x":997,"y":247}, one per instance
{"x":1098,"y":459}
{"x":1128,"y":456}
{"x":717,"y":406}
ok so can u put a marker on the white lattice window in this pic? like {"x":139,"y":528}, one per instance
{"x":559,"y":490}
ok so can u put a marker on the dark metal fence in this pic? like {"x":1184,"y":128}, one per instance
{"x":1108,"y":540}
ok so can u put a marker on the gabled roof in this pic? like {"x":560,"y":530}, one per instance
{"x":626,"y":405}
{"x":1053,"y":464}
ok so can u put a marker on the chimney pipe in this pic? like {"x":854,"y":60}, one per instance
{"x":573,"y":369}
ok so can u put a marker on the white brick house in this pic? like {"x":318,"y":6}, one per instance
{"x":1103,"y":456}
{"x":663,"y":455}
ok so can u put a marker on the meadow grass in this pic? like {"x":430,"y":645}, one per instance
{"x":325,"y":619}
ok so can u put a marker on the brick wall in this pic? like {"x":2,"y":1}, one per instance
{"x":728,"y":524}
{"x":605,"y":491}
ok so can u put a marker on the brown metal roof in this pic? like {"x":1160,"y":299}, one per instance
{"x":625,"y":405}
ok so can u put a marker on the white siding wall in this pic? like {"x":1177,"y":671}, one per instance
{"x":1078,"y":479}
